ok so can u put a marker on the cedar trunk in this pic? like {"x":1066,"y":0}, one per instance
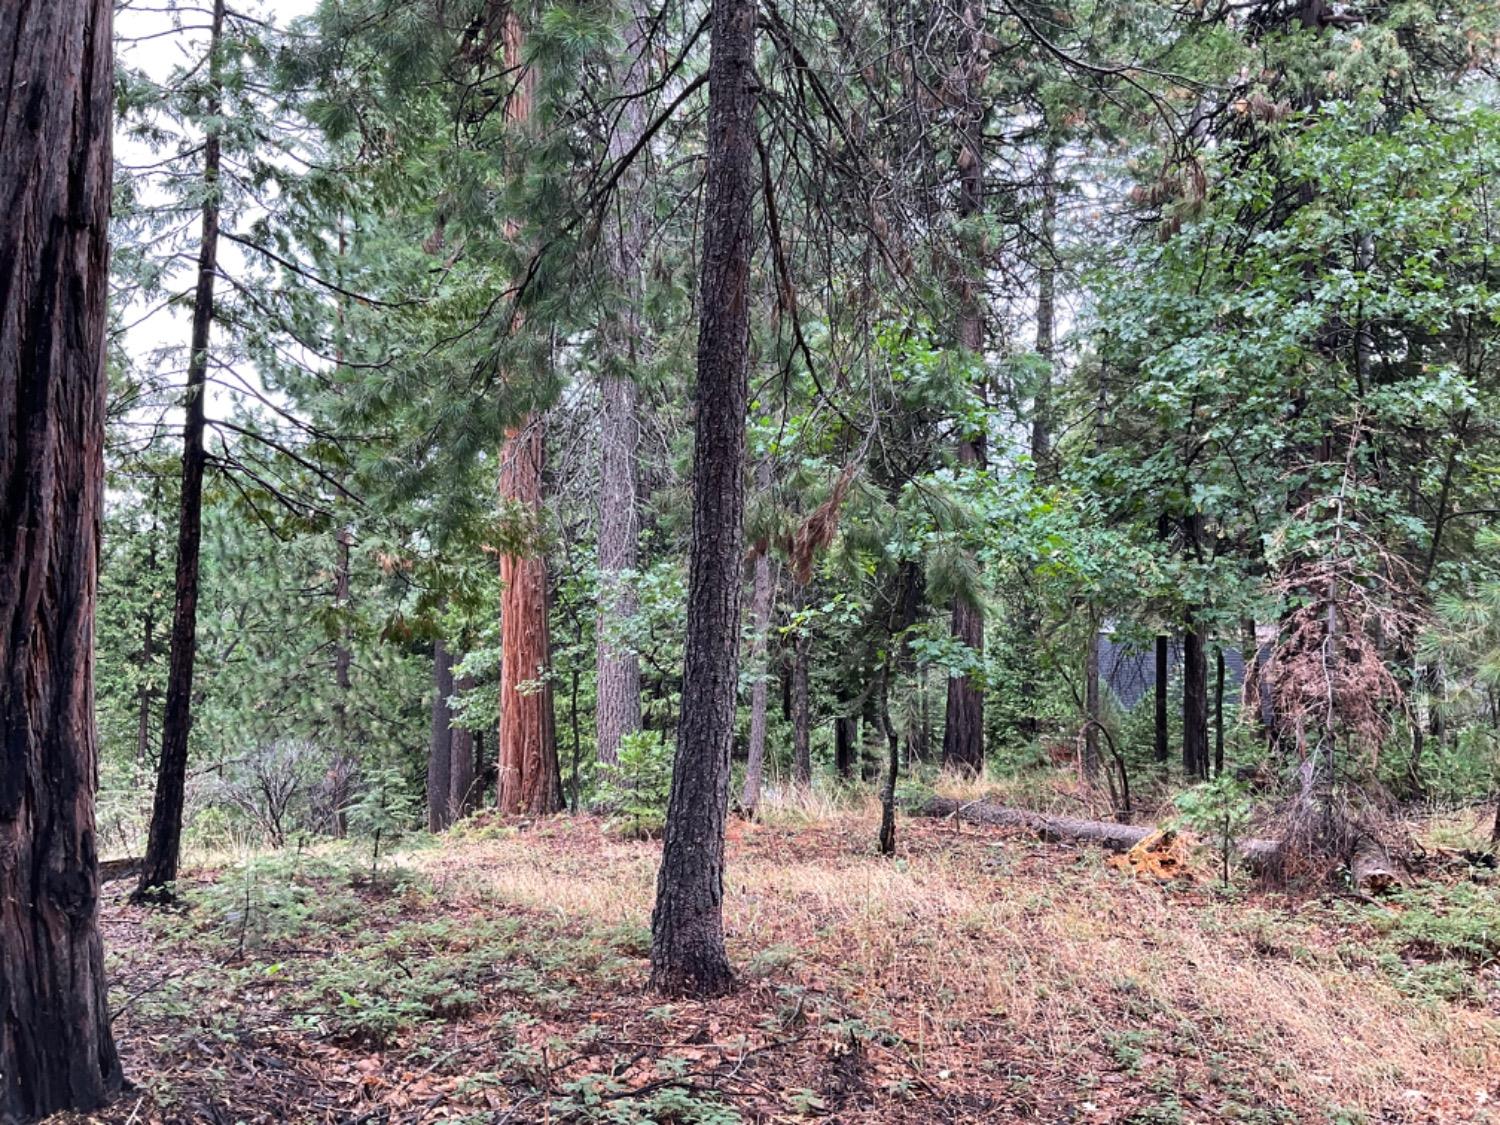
{"x":440,"y":745}
{"x":530,"y":781}
{"x":56,"y":1051}
{"x":164,"y":841}
{"x":617,"y":710}
{"x":687,"y":925}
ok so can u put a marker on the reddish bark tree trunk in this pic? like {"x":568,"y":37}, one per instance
{"x":530,"y":780}
{"x":164,"y":841}
{"x":440,"y":744}
{"x":687,"y":925}
{"x":56,"y":1052}
{"x":529,"y":777}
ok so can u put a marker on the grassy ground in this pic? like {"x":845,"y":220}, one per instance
{"x":978,"y":976}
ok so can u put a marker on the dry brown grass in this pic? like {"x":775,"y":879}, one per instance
{"x":985,"y":952}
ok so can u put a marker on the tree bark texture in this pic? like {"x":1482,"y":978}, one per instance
{"x":56,"y":1051}
{"x":617,"y":710}
{"x":1194,"y":701}
{"x":845,"y":745}
{"x":963,"y":734}
{"x":687,"y":925}
{"x":440,"y":744}
{"x":164,"y":840}
{"x":463,"y":791}
{"x":1163,"y":674}
{"x":763,"y":590}
{"x":529,"y":777}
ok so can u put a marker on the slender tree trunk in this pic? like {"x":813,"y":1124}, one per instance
{"x":963,"y":734}
{"x":144,"y":694}
{"x":1194,"y":701}
{"x":802,"y":701}
{"x":618,"y":670}
{"x":1046,"y":300}
{"x":687,"y":925}
{"x":440,"y":744}
{"x":1163,"y":675}
{"x":56,"y":1051}
{"x":1093,"y":714}
{"x":462,"y":767}
{"x":530,"y":778}
{"x":164,"y":841}
{"x":887,"y":837}
{"x":762,"y":592}
{"x":1218,"y":710}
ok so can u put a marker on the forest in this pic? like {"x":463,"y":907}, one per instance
{"x":711,"y":561}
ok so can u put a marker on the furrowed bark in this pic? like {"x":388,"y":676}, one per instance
{"x":164,"y":841}
{"x":56,"y":1051}
{"x":440,"y":744}
{"x":617,"y":668}
{"x":687,"y":924}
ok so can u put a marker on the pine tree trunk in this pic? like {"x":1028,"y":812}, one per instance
{"x":1093,"y":712}
{"x":462,"y":768}
{"x":440,"y":744}
{"x":762,"y":593}
{"x":687,"y":925}
{"x":618,"y":670}
{"x":1218,"y":710}
{"x":164,"y":841}
{"x":963,"y":735}
{"x":56,"y":1051}
{"x":530,"y":779}
{"x":845,"y":742}
{"x":1163,"y":674}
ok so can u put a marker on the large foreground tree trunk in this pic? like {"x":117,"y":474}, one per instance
{"x":687,"y":925}
{"x":440,"y":744}
{"x":56,"y":1052}
{"x":164,"y":841}
{"x":530,"y":780}
{"x":617,"y":709}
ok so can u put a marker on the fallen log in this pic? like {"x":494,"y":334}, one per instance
{"x":1259,"y":855}
{"x":112,"y":869}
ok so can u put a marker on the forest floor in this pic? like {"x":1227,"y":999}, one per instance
{"x":979,"y":976}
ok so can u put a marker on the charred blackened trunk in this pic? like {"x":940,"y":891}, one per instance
{"x":440,"y":744}
{"x":56,"y":1052}
{"x":164,"y":842}
{"x":845,"y":745}
{"x":687,"y":925}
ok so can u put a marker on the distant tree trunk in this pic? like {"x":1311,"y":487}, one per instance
{"x":1093,"y":714}
{"x":845,"y":745}
{"x":618,"y":669}
{"x":762,"y":593}
{"x":1163,"y":675}
{"x":462,"y":768}
{"x":1218,"y":710}
{"x":164,"y":840}
{"x":343,"y":660}
{"x":440,"y":744}
{"x":887,"y":837}
{"x":963,"y":734}
{"x":530,"y":778}
{"x":144,"y":694}
{"x":1046,"y":299}
{"x":802,"y":700}
{"x":56,"y":1051}
{"x":687,"y":925}
{"x":1194,"y":701}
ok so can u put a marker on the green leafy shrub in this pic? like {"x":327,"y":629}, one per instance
{"x":635,"y":789}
